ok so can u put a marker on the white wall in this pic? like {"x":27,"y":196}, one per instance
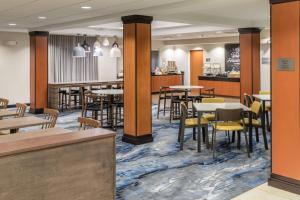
{"x":265,"y":69}
{"x":108,"y":67}
{"x":15,"y":68}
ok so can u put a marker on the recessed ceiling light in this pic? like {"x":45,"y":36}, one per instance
{"x":12,"y":24}
{"x":219,"y":32}
{"x":42,"y":17}
{"x":86,"y":7}
{"x":92,"y":26}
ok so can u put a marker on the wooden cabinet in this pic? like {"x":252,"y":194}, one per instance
{"x":223,"y":87}
{"x":166,"y":80}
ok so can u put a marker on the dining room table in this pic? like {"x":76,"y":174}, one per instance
{"x":264,"y":98}
{"x":110,"y":93}
{"x":201,"y":108}
{"x":7,"y":113}
{"x":186,"y":89}
{"x":13,"y":124}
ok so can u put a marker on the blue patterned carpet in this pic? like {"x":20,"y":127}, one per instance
{"x":159,"y":171}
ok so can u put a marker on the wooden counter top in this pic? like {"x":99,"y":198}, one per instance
{"x":49,"y":141}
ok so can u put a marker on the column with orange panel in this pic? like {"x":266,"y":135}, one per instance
{"x":137,"y":79}
{"x":38,"y":71}
{"x":285,"y":32}
{"x":250,"y":61}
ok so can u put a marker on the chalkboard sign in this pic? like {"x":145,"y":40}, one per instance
{"x":232,"y":57}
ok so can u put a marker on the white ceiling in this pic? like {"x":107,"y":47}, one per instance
{"x":173,"y":18}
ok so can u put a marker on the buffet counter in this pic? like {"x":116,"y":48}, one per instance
{"x":166,"y":80}
{"x":224,"y":86}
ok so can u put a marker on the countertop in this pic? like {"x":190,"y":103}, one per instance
{"x":171,"y":74}
{"x":219,"y":78}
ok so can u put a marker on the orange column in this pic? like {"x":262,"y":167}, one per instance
{"x":250,"y":61}
{"x":285,"y":23}
{"x":38,"y":71}
{"x":137,"y":79}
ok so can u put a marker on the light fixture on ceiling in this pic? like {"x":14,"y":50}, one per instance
{"x":78,"y":51}
{"x":115,"y":51}
{"x":86,"y":7}
{"x":97,"y":48}
{"x":42,"y":17}
{"x":86,"y":46}
{"x":105,"y":42}
{"x":12,"y":24}
{"x":219,"y":32}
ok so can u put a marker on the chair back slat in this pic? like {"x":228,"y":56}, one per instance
{"x":3,"y":103}
{"x":86,"y":123}
{"x":21,"y":109}
{"x":248,"y":100}
{"x":51,"y":115}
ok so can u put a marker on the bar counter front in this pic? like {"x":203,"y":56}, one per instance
{"x":224,"y":86}
{"x":166,"y":80}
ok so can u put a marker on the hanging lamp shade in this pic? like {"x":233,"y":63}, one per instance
{"x":78,"y":51}
{"x":105,"y":42}
{"x":115,"y":51}
{"x":97,"y":49}
{"x":86,"y":46}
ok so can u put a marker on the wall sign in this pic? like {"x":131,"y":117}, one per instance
{"x":232,"y":57}
{"x":285,"y":64}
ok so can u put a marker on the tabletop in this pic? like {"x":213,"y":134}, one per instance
{"x":32,"y":134}
{"x":109,"y":92}
{"x":212,"y":107}
{"x":262,"y":97}
{"x":7,"y":113}
{"x":186,"y":87}
{"x":22,"y":122}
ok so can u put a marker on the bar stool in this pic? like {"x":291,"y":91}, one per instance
{"x":163,"y":95}
{"x":62,"y":99}
{"x":73,"y":97}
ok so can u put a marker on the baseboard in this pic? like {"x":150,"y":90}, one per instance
{"x":137,"y":140}
{"x":284,"y":183}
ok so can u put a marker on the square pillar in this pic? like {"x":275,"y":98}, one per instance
{"x":38,"y":71}
{"x":250,"y":61}
{"x":285,"y":32}
{"x":137,"y":79}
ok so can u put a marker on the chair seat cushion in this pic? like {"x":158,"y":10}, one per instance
{"x":209,"y":116}
{"x":255,"y":122}
{"x":194,"y":121}
{"x":228,"y":126}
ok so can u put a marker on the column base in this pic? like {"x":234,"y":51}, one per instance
{"x":36,"y":110}
{"x":137,"y":140}
{"x":284,"y":183}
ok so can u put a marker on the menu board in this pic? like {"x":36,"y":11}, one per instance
{"x":232,"y":57}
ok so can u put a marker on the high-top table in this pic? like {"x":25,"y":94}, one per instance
{"x":110,"y":93}
{"x":201,"y":108}
{"x":186,"y":88}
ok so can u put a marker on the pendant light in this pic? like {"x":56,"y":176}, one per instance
{"x":105,"y":42}
{"x":86,"y":46}
{"x":78,"y":51}
{"x":115,"y":51}
{"x":97,"y":48}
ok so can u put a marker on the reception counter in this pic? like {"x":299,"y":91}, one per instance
{"x":224,"y":86}
{"x":166,"y":80}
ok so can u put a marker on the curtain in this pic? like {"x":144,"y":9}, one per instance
{"x":63,"y":67}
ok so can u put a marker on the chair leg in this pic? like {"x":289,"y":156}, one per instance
{"x":265,"y":138}
{"x":206,"y":137}
{"x":194,"y":134}
{"x":228,"y":135}
{"x":239,"y":140}
{"x":214,"y":141}
{"x":179,"y":132}
{"x":247,"y":144}
{"x":257,"y":136}
{"x":158,"y":108}
{"x":203,"y":134}
{"x":268,"y":121}
{"x":233,"y":137}
{"x":165,"y":102}
{"x":182,"y":137}
{"x":171,"y":111}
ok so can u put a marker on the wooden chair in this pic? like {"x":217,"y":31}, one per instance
{"x":186,"y":122}
{"x":248,"y":100}
{"x":256,"y":110}
{"x":229,"y":120}
{"x":86,"y":123}
{"x":176,"y":100}
{"x":51,"y":115}
{"x":21,"y":109}
{"x":3,"y":103}
{"x":163,"y":96}
{"x":268,"y":109}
